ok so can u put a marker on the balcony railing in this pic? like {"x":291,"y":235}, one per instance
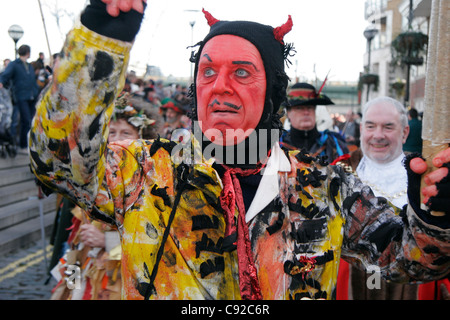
{"x":372,"y":7}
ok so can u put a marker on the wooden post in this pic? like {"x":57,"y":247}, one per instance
{"x":435,"y":127}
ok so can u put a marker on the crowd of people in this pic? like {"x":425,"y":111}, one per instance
{"x":302,"y":218}
{"x":172,"y":104}
{"x":22,"y":82}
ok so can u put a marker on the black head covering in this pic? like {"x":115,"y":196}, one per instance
{"x":274,"y":53}
{"x":304,"y":94}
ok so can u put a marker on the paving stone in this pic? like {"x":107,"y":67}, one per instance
{"x":30,"y":284}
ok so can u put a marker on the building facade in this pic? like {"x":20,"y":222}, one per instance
{"x":391,"y":18}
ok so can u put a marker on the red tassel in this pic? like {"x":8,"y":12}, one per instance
{"x":323,"y":84}
{"x":280,"y":32}
{"x":211,"y":20}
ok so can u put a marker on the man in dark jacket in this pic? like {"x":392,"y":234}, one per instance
{"x":301,"y":111}
{"x":25,"y":90}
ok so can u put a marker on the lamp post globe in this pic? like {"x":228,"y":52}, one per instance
{"x":15,"y":32}
{"x":369,"y":34}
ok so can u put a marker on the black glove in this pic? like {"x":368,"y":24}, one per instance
{"x":440,"y":202}
{"x":123,"y":27}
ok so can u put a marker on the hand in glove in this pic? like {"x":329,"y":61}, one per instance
{"x":437,"y":190}
{"x":105,"y":17}
{"x":113,"y":7}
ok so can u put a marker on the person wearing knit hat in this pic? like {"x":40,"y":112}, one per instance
{"x":301,"y":112}
{"x":133,"y":117}
{"x":173,"y":112}
{"x":228,"y":214}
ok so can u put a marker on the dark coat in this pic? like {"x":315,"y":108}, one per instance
{"x":414,"y":141}
{"x":23,"y":80}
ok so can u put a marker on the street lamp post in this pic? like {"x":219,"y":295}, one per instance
{"x":408,"y":66}
{"x":15,"y":32}
{"x":369,"y":34}
{"x":192,"y":24}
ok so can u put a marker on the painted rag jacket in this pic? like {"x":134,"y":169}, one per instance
{"x":318,"y":214}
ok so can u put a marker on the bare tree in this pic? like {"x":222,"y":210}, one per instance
{"x":59,"y":11}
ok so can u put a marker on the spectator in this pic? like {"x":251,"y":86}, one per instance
{"x":351,"y":130}
{"x":173,"y":112}
{"x":42,"y":71}
{"x":384,"y":128}
{"x":7,"y":141}
{"x":159,"y":90}
{"x":40,"y":61}
{"x":414,"y":141}
{"x":25,"y":91}
{"x":5,"y":64}
{"x":301,"y":112}
{"x":151,"y":97}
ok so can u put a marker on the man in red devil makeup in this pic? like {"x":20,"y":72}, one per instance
{"x":238,"y":217}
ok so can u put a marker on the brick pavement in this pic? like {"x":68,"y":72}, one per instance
{"x":23,"y":273}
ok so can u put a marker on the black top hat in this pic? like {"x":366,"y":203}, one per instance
{"x":304,"y":94}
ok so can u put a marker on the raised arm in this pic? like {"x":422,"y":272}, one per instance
{"x":69,"y":132}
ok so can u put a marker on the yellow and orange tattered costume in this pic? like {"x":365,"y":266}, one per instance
{"x":304,"y":217}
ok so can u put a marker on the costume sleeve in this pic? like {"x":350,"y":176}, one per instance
{"x":69,"y":132}
{"x":380,"y":237}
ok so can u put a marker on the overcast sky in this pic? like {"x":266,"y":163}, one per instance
{"x":327,"y":34}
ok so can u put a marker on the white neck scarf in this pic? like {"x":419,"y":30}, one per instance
{"x":387,"y":180}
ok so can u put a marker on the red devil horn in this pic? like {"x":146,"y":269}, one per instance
{"x":211,"y":20}
{"x":280,"y":31}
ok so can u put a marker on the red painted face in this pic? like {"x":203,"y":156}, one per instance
{"x":231,"y":89}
